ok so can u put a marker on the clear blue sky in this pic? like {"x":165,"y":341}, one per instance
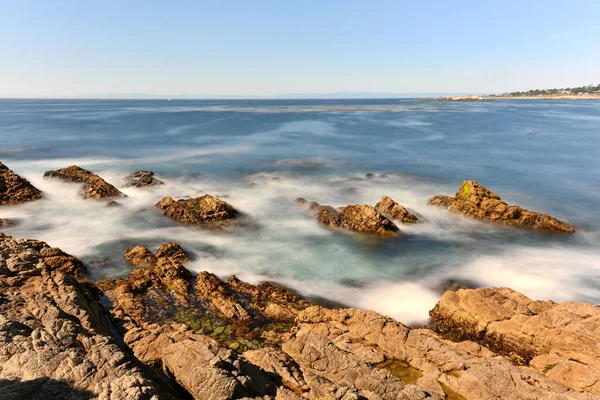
{"x":86,"y":47}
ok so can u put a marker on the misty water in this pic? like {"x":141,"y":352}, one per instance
{"x":261,"y":155}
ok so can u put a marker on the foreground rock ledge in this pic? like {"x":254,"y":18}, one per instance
{"x":206,"y":210}
{"x":474,"y":200}
{"x":199,"y":337}
{"x":93,"y":186}
{"x":14,"y":189}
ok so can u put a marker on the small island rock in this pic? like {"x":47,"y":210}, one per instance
{"x":93,"y":186}
{"x":14,"y":189}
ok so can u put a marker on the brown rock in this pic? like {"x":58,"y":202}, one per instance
{"x":5,"y":222}
{"x":198,"y":211}
{"x":441,"y":201}
{"x":141,"y":179}
{"x":174,"y":251}
{"x":364,"y":218}
{"x":93,"y":186}
{"x":14,"y":189}
{"x":387,"y":206}
{"x":476,"y":201}
{"x":140,"y":256}
{"x":562,"y":341}
{"x":53,"y":328}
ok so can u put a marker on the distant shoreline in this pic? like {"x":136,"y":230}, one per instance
{"x":502,"y":97}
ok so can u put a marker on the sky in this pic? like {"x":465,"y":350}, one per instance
{"x":265,"y":48}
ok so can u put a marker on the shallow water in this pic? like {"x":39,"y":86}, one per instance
{"x":261,"y":155}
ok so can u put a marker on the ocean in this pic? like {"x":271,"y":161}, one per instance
{"x":262,"y":154}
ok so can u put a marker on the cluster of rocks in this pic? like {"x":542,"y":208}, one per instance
{"x":141,"y":179}
{"x":474,"y":200}
{"x":362,"y":217}
{"x":170,"y":335}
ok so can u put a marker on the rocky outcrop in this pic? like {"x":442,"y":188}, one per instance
{"x":14,"y":189}
{"x":204,"y":338}
{"x":562,"y":341}
{"x":54,"y":330}
{"x":141,"y":179}
{"x":206,"y":210}
{"x":474,"y":200}
{"x":93,"y":186}
{"x":359,"y":218}
{"x":396,"y":211}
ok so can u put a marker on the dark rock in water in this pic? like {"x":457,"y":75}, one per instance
{"x":93,"y":186}
{"x":453,"y":285}
{"x":14,"y":189}
{"x":300,"y":201}
{"x":476,"y":201}
{"x":369,"y":176}
{"x":5,"y":222}
{"x":113,"y":204}
{"x":141,"y":179}
{"x":441,"y":201}
{"x":387,"y":206}
{"x":205,"y":210}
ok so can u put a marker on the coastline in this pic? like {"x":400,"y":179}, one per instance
{"x":492,"y":97}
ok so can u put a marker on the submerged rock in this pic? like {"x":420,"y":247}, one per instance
{"x":561,"y":341}
{"x":141,"y":179}
{"x":198,"y":211}
{"x":14,"y":189}
{"x":474,"y":200}
{"x":93,"y":186}
{"x":5,"y":222}
{"x":387,"y":206}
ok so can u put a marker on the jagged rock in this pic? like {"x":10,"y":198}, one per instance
{"x":141,"y":179}
{"x":113,"y":204}
{"x":14,"y":189}
{"x":359,"y":218}
{"x":364,"y":218}
{"x":476,"y":201}
{"x":562,"y":341}
{"x":441,"y":367}
{"x":387,"y":206}
{"x":53,"y":328}
{"x":198,"y":211}
{"x":140,"y":257}
{"x":174,"y":251}
{"x":93,"y":186}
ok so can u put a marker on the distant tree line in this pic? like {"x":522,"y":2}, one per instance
{"x":589,"y":89}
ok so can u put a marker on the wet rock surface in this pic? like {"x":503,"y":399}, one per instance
{"x":92,"y":185}
{"x":206,"y":210}
{"x":14,"y":189}
{"x":474,"y":200}
{"x":389,"y":207}
{"x":141,"y":179}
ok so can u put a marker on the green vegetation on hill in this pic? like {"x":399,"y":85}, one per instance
{"x":580,"y":90}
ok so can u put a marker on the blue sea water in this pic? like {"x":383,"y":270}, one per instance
{"x":262,"y":154}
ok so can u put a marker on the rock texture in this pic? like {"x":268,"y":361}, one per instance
{"x":390,"y":208}
{"x":476,"y":201}
{"x":206,"y":210}
{"x":172,"y":335}
{"x":54,"y":334}
{"x":93,"y":186}
{"x":562,"y":341}
{"x":141,"y":179}
{"x":14,"y":189}
{"x":359,"y":218}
